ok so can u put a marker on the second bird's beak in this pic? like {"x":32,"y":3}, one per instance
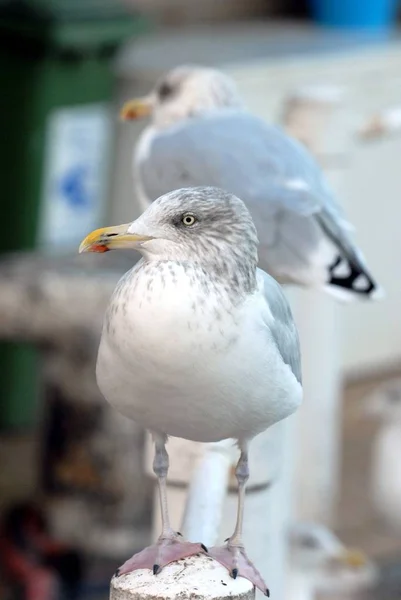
{"x":353,"y":558}
{"x":137,"y":108}
{"x":112,"y":238}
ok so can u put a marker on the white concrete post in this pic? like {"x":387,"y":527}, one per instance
{"x":198,"y":577}
{"x":318,"y":446}
{"x":312,"y":115}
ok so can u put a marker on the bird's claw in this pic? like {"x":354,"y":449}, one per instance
{"x":234,"y":558}
{"x":165,"y":551}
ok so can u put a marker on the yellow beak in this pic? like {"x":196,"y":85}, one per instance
{"x":111,"y":238}
{"x":353,"y":558}
{"x":136,"y":109}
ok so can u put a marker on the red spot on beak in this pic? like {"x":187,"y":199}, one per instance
{"x":99,"y":248}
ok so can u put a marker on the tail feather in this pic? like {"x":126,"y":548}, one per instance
{"x":349,"y":280}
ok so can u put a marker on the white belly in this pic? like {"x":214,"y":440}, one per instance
{"x":184,"y":370}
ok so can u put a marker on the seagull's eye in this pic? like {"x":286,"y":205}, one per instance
{"x":164,"y":90}
{"x":308,"y":541}
{"x":188,"y":220}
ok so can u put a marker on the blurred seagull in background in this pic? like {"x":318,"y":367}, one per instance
{"x":201,"y":134}
{"x":197,"y":343}
{"x":319,"y":562}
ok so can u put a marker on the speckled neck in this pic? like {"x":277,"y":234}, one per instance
{"x":221,"y":276}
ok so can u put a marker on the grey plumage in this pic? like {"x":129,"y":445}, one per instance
{"x":283,"y":328}
{"x":223,"y":240}
{"x":304,"y":235}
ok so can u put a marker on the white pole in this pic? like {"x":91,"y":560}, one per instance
{"x":198,"y":577}
{"x":312,"y":115}
{"x":185,"y":461}
{"x":319,"y":418}
{"x":207,"y":494}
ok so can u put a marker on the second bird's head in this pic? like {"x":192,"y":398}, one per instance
{"x":182,"y":93}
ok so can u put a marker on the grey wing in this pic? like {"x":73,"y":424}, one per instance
{"x":233,"y":150}
{"x":301,"y":228}
{"x":282,"y":327}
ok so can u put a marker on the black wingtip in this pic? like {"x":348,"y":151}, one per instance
{"x":204,"y":548}
{"x":267,"y":592}
{"x":156,"y":569}
{"x":117,"y":573}
{"x":234,"y":573}
{"x":354,"y":279}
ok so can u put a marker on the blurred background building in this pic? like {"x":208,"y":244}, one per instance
{"x":72,"y":488}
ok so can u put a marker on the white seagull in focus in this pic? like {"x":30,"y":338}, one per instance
{"x":197,"y":343}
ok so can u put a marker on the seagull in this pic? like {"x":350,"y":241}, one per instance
{"x":321,"y":563}
{"x":197,"y":343}
{"x":202,"y":134}
{"x":385,"y":478}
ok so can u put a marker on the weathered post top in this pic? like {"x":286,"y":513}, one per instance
{"x":196,"y":578}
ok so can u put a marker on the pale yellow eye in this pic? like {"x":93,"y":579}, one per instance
{"x":188,"y":220}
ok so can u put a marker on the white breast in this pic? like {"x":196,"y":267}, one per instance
{"x":198,"y":370}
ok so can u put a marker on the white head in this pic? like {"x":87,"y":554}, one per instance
{"x":319,"y":555}
{"x":205,"y":226}
{"x":182,"y":93}
{"x":313,"y":545}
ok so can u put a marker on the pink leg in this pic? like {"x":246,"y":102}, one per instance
{"x":169,"y":547}
{"x":233,"y":555}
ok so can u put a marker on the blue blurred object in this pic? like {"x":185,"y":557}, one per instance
{"x":73,"y":187}
{"x":372,"y":15}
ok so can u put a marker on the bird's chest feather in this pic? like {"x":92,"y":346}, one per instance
{"x":179,"y":355}
{"x":170,"y":313}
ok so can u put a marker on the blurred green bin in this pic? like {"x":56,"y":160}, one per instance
{"x":56,"y":79}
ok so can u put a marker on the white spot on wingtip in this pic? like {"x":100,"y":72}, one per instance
{"x":340,"y":294}
{"x":361,"y":283}
{"x":342,"y":270}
